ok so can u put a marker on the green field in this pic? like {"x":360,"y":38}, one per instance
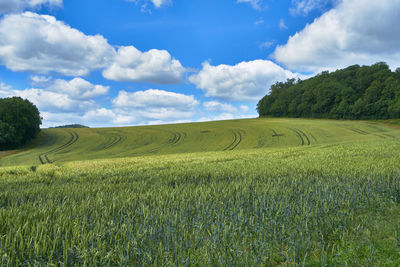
{"x":257,"y":192}
{"x":61,"y":145}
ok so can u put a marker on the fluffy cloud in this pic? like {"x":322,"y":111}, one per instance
{"x":154,"y":104}
{"x":41,"y":44}
{"x":155,"y":98}
{"x":37,"y":79}
{"x":49,"y":101}
{"x":246,"y":81}
{"x":59,"y":100}
{"x":155,"y":66}
{"x":355,"y":32}
{"x":217,"y":106}
{"x":19,"y":5}
{"x":78,"y":88}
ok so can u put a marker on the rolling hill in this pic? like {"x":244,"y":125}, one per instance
{"x":59,"y":145}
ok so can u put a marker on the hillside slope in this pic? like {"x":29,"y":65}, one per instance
{"x":61,"y":145}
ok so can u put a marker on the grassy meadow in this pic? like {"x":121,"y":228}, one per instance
{"x":257,"y":192}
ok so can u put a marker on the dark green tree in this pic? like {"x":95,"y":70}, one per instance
{"x":19,"y":122}
{"x":356,"y":92}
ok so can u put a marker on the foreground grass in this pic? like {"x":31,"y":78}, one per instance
{"x":334,"y":204}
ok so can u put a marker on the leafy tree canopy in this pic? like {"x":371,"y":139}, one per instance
{"x":19,"y":122}
{"x":71,"y":126}
{"x":357,"y":92}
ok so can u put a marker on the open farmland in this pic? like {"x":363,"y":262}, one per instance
{"x":61,"y":145}
{"x":291,"y":192}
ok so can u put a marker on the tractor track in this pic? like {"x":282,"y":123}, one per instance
{"x":308,"y":139}
{"x":44,"y":157}
{"x":237,"y":139}
{"x":303,"y":137}
{"x":177,"y":137}
{"x":358,"y":131}
{"x":116,"y":140}
{"x":390,"y":136}
{"x":275,"y":134}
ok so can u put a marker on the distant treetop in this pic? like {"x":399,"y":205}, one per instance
{"x":71,"y":126}
{"x":356,"y":92}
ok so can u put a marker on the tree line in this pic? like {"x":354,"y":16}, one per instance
{"x":356,"y":92}
{"x":19,"y":122}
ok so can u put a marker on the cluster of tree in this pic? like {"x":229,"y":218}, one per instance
{"x":71,"y":126}
{"x":19,"y":122}
{"x":367,"y":92}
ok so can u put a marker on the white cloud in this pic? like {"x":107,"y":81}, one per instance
{"x":78,"y":88}
{"x":155,"y":98}
{"x":303,"y":7}
{"x":41,"y":44}
{"x":4,"y":89}
{"x":153,"y":105}
{"x":100,"y":116}
{"x":159,"y":3}
{"x":65,"y":106}
{"x":244,"y":108}
{"x":256,"y":4}
{"x":217,"y":106}
{"x":155,"y":66}
{"x":38,"y":79}
{"x":60,"y":102}
{"x":20,"y":5}
{"x":49,"y":101}
{"x":226,"y":116}
{"x":246,"y":81}
{"x":355,"y":32}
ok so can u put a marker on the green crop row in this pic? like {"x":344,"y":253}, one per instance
{"x":334,"y":204}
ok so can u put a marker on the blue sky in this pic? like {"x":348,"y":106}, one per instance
{"x":138,"y":62}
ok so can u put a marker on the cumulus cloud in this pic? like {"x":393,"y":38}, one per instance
{"x":48,"y":101}
{"x":217,"y":106}
{"x":38,"y":79}
{"x":154,"y":104}
{"x":244,"y":108}
{"x":155,"y":98}
{"x":155,"y":66}
{"x":78,"y":88}
{"x":60,"y":101}
{"x":20,"y":5}
{"x":355,"y":32}
{"x":246,"y":81}
{"x":41,"y":44}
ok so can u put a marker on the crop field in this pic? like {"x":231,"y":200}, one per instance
{"x":260,"y":192}
{"x":61,"y":145}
